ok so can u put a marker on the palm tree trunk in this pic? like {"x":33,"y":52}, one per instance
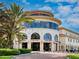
{"x":10,"y":41}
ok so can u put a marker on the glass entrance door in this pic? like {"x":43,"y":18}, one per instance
{"x":47,"y":47}
{"x":35,"y":46}
{"x":24,"y":45}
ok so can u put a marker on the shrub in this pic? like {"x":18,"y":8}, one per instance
{"x":9,"y":52}
{"x":6,"y":57}
{"x":24,"y":51}
{"x":74,"y":56}
{"x":6,"y":52}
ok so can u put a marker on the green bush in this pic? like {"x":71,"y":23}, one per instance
{"x":9,"y":52}
{"x":6,"y":52}
{"x":24,"y":51}
{"x":6,"y":57}
{"x":73,"y":56}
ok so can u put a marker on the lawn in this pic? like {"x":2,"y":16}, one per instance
{"x":5,"y":57}
{"x":74,"y":56}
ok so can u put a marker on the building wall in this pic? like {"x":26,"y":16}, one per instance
{"x":46,"y":23}
{"x":69,"y":40}
{"x":41,"y":32}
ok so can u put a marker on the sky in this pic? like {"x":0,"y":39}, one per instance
{"x":65,"y":10}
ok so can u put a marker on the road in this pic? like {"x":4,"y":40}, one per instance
{"x":42,"y":56}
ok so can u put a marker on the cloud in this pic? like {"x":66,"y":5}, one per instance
{"x":52,"y":1}
{"x":47,"y":8}
{"x":76,"y":9}
{"x":69,"y":16}
{"x":56,"y":1}
{"x":73,"y":21}
{"x":25,"y":2}
{"x":64,"y":11}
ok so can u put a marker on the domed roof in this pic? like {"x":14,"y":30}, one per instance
{"x":42,"y":15}
{"x":38,"y":12}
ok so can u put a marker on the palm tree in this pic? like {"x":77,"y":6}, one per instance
{"x":4,"y":20}
{"x":13,"y":24}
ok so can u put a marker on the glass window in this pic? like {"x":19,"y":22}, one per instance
{"x":56,"y":38}
{"x":34,"y":14}
{"x":35,"y":36}
{"x":41,"y":24}
{"x":47,"y":37}
{"x":44,"y":15}
{"x":39,"y":15}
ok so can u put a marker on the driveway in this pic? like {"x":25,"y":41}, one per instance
{"x":42,"y":56}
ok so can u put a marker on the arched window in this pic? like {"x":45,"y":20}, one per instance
{"x":35,"y":36}
{"x":47,"y":37}
{"x":56,"y":38}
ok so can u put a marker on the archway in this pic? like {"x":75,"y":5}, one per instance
{"x":35,"y":36}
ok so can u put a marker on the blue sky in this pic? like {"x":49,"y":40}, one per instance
{"x":65,"y":10}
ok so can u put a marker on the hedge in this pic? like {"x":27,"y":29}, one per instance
{"x":73,"y":56}
{"x":24,"y":51}
{"x":9,"y":52}
{"x":6,"y":57}
{"x":6,"y":52}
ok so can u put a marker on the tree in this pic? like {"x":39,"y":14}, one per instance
{"x":4,"y":20}
{"x":13,"y":24}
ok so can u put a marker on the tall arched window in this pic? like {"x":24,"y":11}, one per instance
{"x":47,"y":37}
{"x":56,"y":38}
{"x":35,"y":36}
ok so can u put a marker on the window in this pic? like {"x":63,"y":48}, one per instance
{"x":41,"y":24}
{"x":47,"y":37}
{"x":39,"y":15}
{"x":34,"y":14}
{"x":78,"y":41}
{"x":35,"y":36}
{"x":56,"y":38}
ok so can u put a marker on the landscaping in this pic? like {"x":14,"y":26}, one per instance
{"x":5,"y":57}
{"x":8,"y":53}
{"x":73,"y":56}
{"x":10,"y":29}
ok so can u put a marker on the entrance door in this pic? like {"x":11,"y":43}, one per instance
{"x":56,"y":46}
{"x":35,"y":46}
{"x":47,"y":47}
{"x":24,"y":45}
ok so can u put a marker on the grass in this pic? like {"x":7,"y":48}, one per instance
{"x":74,"y":56}
{"x":5,"y":57}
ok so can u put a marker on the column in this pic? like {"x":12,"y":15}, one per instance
{"x":41,"y":46}
{"x":52,"y":47}
{"x":58,"y":45}
{"x":29,"y":45}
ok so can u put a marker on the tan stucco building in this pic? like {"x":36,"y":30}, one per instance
{"x":44,"y":34}
{"x":69,"y":40}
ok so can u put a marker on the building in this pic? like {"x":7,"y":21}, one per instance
{"x":43,"y":34}
{"x":69,"y":40}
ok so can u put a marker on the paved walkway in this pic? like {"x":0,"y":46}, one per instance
{"x":42,"y":56}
